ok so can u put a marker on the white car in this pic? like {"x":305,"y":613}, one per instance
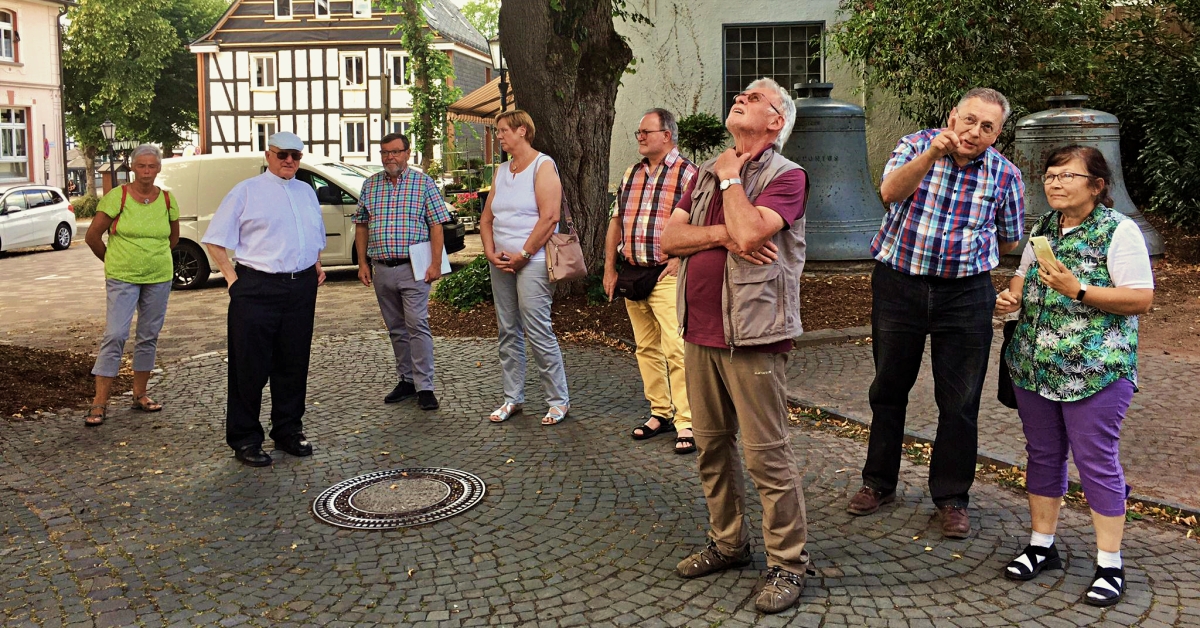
{"x":35,"y":215}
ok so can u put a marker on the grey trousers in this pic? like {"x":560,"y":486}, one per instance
{"x":404,"y":302}
{"x":150,"y":302}
{"x":523,"y":312}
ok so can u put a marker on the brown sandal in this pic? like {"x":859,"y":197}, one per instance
{"x":145,"y":404}
{"x":95,"y":420}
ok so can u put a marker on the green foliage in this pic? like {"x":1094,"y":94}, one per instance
{"x":433,"y":168}
{"x":700,"y":134}
{"x":466,"y":287}
{"x":174,"y":109}
{"x":1139,"y":62}
{"x":929,"y":52}
{"x":1151,"y":84}
{"x":85,"y":206}
{"x":431,"y":73}
{"x":484,"y":15}
{"x":595,"y":289}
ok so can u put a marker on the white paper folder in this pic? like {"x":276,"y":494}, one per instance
{"x":420,"y":255}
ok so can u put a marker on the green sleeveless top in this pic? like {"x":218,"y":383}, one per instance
{"x":1062,"y":349}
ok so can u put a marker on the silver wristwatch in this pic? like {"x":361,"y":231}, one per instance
{"x":725,"y":183}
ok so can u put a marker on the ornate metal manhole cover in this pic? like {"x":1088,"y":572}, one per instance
{"x":398,"y":499}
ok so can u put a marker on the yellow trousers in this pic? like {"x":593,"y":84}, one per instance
{"x":660,"y":353}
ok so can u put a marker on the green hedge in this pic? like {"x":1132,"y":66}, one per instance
{"x":85,"y":206}
{"x":466,"y":287}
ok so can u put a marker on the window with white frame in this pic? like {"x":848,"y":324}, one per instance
{"x":262,"y":71}
{"x":362,"y":8}
{"x":283,"y":9}
{"x":321,"y":8}
{"x":405,"y":128}
{"x":8,"y":37}
{"x":354,"y":137}
{"x":14,"y":156}
{"x":263,"y":130}
{"x":354,"y":75}
{"x":788,"y":53}
{"x":401,"y":72}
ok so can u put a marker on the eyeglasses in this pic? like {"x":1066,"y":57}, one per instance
{"x":755,"y":98}
{"x":281,"y":155}
{"x":639,"y":134}
{"x":392,"y":153}
{"x":1065,"y":177}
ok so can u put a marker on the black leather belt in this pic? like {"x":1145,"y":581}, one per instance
{"x":241,"y":268}
{"x":392,"y":263}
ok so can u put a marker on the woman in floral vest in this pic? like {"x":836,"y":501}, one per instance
{"x":1073,"y":359}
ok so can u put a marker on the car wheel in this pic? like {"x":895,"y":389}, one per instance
{"x":62,"y":237}
{"x":191,"y":266}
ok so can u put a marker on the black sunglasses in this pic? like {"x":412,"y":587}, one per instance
{"x":284,"y":154}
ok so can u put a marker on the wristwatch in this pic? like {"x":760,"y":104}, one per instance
{"x":725,"y":183}
{"x":1082,"y":291}
{"x":526,"y":254}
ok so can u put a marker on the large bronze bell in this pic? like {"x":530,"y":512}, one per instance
{"x":830,"y":141}
{"x":1069,"y":123}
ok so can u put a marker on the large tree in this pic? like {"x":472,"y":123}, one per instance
{"x":566,"y":61}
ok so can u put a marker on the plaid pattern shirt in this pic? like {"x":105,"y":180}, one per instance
{"x":950,"y":225}
{"x":644,"y":203}
{"x":400,"y":213}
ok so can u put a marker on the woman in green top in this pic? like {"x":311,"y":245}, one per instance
{"x":142,"y":222}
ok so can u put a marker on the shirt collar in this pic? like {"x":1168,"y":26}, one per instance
{"x":271,"y":176}
{"x":668,"y":160}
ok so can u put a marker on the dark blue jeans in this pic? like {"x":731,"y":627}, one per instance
{"x":956,"y":315}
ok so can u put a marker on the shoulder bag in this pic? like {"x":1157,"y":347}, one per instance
{"x":564,"y":254}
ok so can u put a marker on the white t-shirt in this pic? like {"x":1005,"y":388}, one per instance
{"x":1128,"y":257}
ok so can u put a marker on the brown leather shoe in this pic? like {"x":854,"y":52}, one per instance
{"x":867,"y":500}
{"x":956,"y":523}
{"x":711,"y":560}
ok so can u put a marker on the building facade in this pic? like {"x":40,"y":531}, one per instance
{"x":696,"y":56}
{"x":31,"y":111}
{"x":332,"y":72}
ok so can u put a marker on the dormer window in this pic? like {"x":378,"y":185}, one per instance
{"x":362,"y":8}
{"x":8,"y":37}
{"x":321,"y":8}
{"x":283,"y":9}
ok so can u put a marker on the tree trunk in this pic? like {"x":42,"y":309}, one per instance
{"x":89,"y":165}
{"x":565,"y":68}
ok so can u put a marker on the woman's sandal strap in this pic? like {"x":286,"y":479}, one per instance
{"x":1101,"y":595}
{"x":88,"y":419}
{"x":1038,"y":558}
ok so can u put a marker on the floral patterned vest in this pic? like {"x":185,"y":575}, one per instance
{"x":1062,"y":349}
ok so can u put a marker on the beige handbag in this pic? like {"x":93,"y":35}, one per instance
{"x":564,"y":253}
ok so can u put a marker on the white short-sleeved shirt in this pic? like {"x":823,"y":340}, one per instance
{"x":271,"y":224}
{"x":1128,"y":258}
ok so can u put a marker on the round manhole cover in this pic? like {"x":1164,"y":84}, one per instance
{"x":397,"y":499}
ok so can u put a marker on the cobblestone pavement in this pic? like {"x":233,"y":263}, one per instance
{"x":1159,"y":449}
{"x":149,"y":520}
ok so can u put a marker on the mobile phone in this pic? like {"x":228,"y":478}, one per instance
{"x":1042,"y":250}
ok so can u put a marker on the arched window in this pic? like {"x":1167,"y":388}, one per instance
{"x":8,"y":36}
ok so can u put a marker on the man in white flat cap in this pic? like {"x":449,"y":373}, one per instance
{"x":273,"y":225}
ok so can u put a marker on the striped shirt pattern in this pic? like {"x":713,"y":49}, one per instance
{"x":645,"y":201}
{"x":950,"y":225}
{"x":400,"y":213}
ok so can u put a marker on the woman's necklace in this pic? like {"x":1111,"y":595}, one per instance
{"x":515,"y":169}
{"x":144,"y":198}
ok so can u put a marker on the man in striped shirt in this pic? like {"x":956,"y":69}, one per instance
{"x":956,"y":206}
{"x":398,"y":208}
{"x":649,"y":191}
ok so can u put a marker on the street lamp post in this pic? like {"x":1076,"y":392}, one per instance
{"x":500,"y":65}
{"x":109,"y":131}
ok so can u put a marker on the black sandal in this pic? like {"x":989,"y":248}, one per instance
{"x":687,"y":440}
{"x":1108,"y":587}
{"x":96,"y":420}
{"x":1039,"y":558}
{"x":664,"y":426}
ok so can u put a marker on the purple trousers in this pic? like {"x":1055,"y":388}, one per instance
{"x":1091,"y":429}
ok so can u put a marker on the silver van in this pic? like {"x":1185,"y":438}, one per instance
{"x":201,"y":182}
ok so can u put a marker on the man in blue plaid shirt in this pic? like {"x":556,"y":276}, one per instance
{"x":398,"y":208}
{"x":956,"y":206}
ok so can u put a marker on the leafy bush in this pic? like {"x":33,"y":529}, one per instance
{"x":700,"y":134}
{"x":85,"y":206}
{"x":472,"y":183}
{"x":453,"y":187}
{"x":467,"y":287}
{"x":595,"y":289}
{"x":433,"y":168}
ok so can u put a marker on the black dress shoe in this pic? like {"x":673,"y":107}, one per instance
{"x":253,"y":456}
{"x":402,"y":391}
{"x":295,"y":444}
{"x":427,"y":401}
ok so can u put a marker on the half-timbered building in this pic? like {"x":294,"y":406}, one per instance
{"x":331,"y":71}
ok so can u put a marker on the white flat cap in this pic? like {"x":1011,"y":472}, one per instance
{"x":286,"y":141}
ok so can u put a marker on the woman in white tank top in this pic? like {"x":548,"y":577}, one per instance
{"x":518,"y":218}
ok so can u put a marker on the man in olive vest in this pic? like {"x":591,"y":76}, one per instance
{"x":740,"y":232}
